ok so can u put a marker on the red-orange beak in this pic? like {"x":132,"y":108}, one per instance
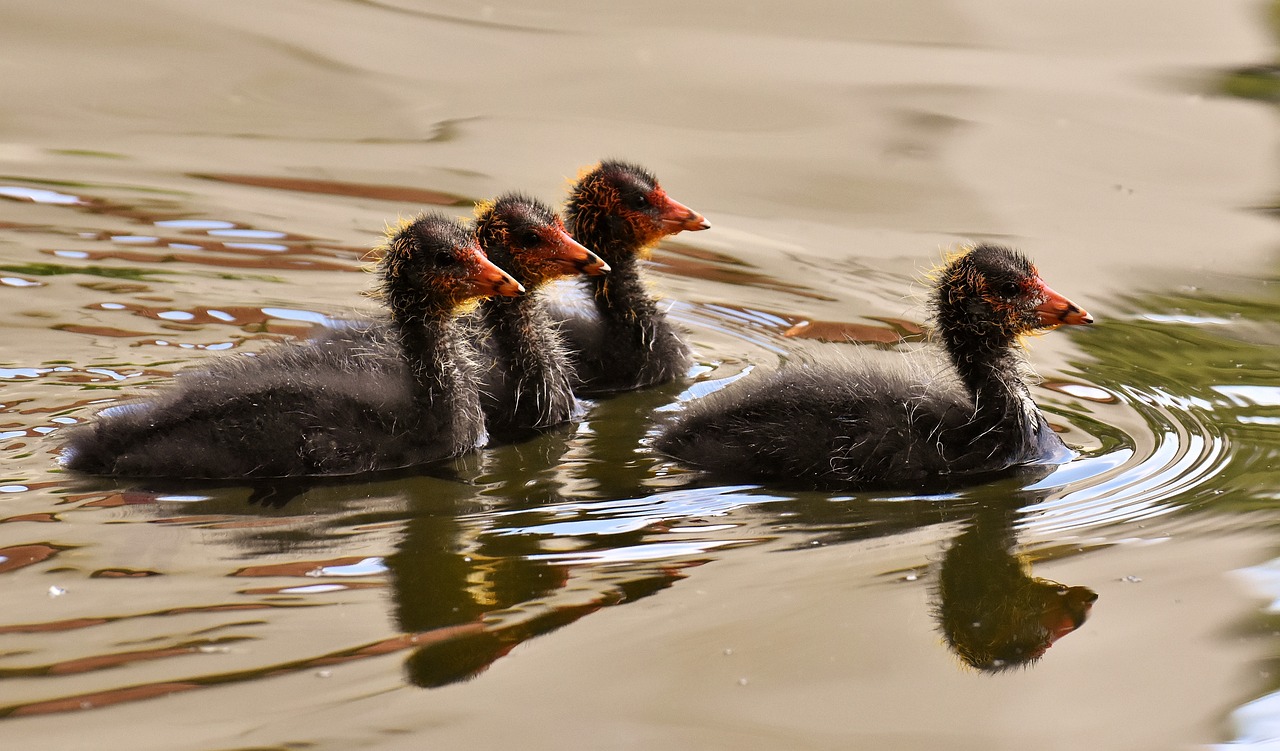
{"x":1074,"y":611}
{"x":573,"y":257}
{"x":1057,"y":310}
{"x":488,"y":280}
{"x":676,"y":217}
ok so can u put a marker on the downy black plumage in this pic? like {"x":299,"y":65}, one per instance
{"x":868,"y":425}
{"x":357,"y":400}
{"x":625,"y":342}
{"x":527,"y":374}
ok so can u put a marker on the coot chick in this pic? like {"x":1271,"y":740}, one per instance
{"x":620,"y":211}
{"x":349,"y":403}
{"x":527,"y":376}
{"x":902,"y":426}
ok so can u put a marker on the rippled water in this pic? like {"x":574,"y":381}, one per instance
{"x":577,"y":589}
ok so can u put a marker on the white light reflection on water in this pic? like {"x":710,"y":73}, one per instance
{"x":371,"y":566}
{"x":194,"y":224}
{"x":176,"y":315}
{"x":1244,"y":395}
{"x":37,"y":195}
{"x":113,"y":375}
{"x":264,"y":234}
{"x":632,"y":553}
{"x":271,"y":247}
{"x":289,"y":314}
{"x":1257,"y":723}
{"x":1187,"y":319}
{"x":314,"y":589}
{"x":704,"y":388}
{"x":630,"y":514}
{"x":1264,"y":580}
{"x":1085,"y":391}
{"x":1255,"y":420}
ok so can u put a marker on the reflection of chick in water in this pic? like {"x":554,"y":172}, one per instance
{"x":470,"y":596}
{"x":993,"y":613}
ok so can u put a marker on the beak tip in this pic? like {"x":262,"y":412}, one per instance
{"x":506,"y":288}
{"x":594,"y":265}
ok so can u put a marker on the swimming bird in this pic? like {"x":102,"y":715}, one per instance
{"x":906,"y":425}
{"x":351,"y":402}
{"x":527,"y":375}
{"x":620,"y":211}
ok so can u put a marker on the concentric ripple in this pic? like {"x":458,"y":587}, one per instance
{"x":1150,"y":474}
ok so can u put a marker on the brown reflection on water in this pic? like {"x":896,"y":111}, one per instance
{"x":117,"y":696}
{"x":95,"y":700}
{"x":896,"y":330}
{"x":155,"y":211}
{"x":115,"y":288}
{"x":110,"y":500}
{"x":116,"y":659}
{"x":107,"y":331}
{"x":190,"y":520}
{"x":75,"y":624}
{"x":211,"y":243}
{"x":123,"y":573}
{"x":17,"y":557}
{"x":271,"y":262}
{"x":298,"y":568}
{"x":678,"y":259}
{"x":241,"y":523}
{"x":41,"y":518}
{"x":341,"y":188}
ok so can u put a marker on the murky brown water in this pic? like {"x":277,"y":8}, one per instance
{"x":188,"y":181}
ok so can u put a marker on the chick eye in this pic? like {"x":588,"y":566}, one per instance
{"x":1009,"y":289}
{"x":638,"y":201}
{"x":527,"y":238}
{"x":445,"y":258}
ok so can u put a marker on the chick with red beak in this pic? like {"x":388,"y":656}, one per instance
{"x":526,"y":370}
{"x":623,"y":341}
